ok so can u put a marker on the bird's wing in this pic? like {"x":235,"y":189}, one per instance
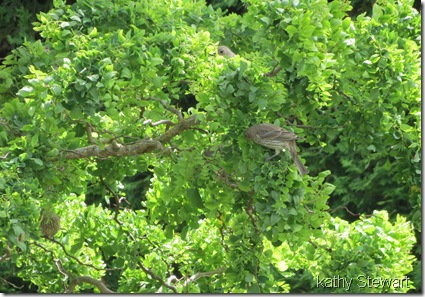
{"x":280,"y":134}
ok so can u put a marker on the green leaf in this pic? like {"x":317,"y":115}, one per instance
{"x":156,"y":61}
{"x":93,"y":32}
{"x":34,"y":140}
{"x":26,"y":91}
{"x":194,"y":197}
{"x":22,"y":245}
{"x":254,"y":289}
{"x":52,"y":153}
{"x":249,"y":278}
{"x":292,"y":30}
{"x":76,"y":247}
{"x":245,"y":186}
{"x":307,"y":31}
{"x":17,"y":230}
{"x":328,"y":189}
{"x":38,"y":161}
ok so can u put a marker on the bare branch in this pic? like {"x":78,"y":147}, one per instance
{"x":226,"y":178}
{"x":161,"y":122}
{"x":10,"y":284}
{"x":156,"y":277}
{"x":170,"y":280}
{"x":62,"y":270}
{"x":87,"y":279}
{"x":5,"y":156}
{"x":6,"y":254}
{"x":198,"y":275}
{"x":274,"y":72}
{"x":177,"y":129}
{"x":137,"y":148}
{"x":88,"y":132}
{"x":346,"y":208}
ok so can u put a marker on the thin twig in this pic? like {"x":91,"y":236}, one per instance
{"x":116,"y":197}
{"x":169,"y":107}
{"x":75,"y":280}
{"x":156,"y":277}
{"x":274,"y":72}
{"x":6,"y":254}
{"x":76,"y":259}
{"x":198,"y":275}
{"x":345,"y":207}
{"x":161,"y":122}
{"x":5,"y":156}
{"x":170,"y":280}
{"x":10,"y":284}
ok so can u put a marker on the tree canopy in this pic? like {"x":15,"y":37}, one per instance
{"x":124,"y":122}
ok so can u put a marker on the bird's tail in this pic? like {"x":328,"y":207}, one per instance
{"x":293,"y":150}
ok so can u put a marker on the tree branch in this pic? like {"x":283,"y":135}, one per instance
{"x":156,"y":277}
{"x":76,"y":259}
{"x":137,"y":148}
{"x":6,"y":254}
{"x":274,"y":72}
{"x":10,"y":284}
{"x":169,"y":108}
{"x":87,"y":279}
{"x":198,"y":275}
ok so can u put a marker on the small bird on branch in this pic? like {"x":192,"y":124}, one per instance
{"x":277,"y":138}
{"x":225,"y":51}
{"x":50,"y":223}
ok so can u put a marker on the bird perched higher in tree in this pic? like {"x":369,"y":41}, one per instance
{"x":225,"y":51}
{"x":277,"y":138}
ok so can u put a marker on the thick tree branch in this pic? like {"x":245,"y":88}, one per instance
{"x":87,"y":279}
{"x":139,"y":147}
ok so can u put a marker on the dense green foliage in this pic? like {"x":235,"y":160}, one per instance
{"x":125,"y":121}
{"x":16,"y":18}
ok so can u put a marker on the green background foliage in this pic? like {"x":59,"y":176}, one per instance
{"x":123,"y":119}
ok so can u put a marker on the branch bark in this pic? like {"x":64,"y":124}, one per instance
{"x":139,"y":147}
{"x":87,"y":279}
{"x":198,"y":275}
{"x":274,"y":72}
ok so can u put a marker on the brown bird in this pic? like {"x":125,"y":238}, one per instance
{"x":50,"y":223}
{"x":277,"y":138}
{"x":225,"y":51}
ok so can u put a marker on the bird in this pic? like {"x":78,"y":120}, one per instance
{"x":277,"y":138}
{"x":225,"y":51}
{"x":50,"y":223}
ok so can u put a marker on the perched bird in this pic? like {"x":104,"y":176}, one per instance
{"x":277,"y":138}
{"x":225,"y":51}
{"x":50,"y":223}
